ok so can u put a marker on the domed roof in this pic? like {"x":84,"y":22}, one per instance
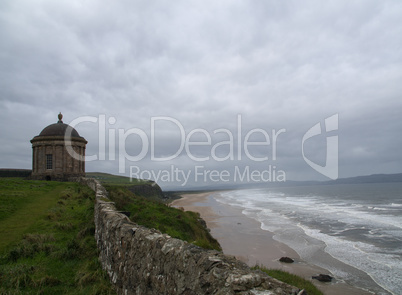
{"x":59,"y":129}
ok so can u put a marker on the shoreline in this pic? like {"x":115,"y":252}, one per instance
{"x":242,"y":237}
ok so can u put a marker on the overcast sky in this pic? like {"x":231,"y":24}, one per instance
{"x":211,"y":65}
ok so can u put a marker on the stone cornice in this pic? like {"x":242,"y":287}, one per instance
{"x":59,"y":138}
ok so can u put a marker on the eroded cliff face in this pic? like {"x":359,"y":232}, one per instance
{"x":144,"y":261}
{"x":148,"y":190}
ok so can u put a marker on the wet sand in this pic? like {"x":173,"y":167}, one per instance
{"x":243,"y":238}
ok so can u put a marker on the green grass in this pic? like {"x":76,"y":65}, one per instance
{"x":49,"y":232}
{"x":110,"y":179}
{"x":22,"y":203}
{"x":154,"y":214}
{"x":291,"y":279}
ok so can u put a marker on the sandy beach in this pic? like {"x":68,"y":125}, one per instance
{"x":243,"y":238}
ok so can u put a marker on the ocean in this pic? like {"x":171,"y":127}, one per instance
{"x":358,"y":225}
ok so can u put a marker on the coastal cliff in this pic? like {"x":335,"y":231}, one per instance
{"x":140,"y":260}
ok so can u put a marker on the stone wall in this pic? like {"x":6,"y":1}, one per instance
{"x":5,"y":172}
{"x":144,"y":261}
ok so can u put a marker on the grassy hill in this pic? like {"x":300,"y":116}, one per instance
{"x":47,"y":244}
{"x":184,"y":225}
{"x":106,"y":178}
{"x":145,"y":188}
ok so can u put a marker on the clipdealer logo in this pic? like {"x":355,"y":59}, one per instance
{"x":239,"y":145}
{"x":330,"y":169}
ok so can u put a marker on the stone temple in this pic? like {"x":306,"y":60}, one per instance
{"x":58,"y":153}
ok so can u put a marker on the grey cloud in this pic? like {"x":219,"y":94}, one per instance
{"x":278,"y":64}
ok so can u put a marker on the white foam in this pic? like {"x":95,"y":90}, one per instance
{"x":385,"y":269}
{"x":291,"y":218}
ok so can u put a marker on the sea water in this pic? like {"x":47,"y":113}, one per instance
{"x":359,"y":225}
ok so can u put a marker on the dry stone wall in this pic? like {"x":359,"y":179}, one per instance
{"x":140,"y":260}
